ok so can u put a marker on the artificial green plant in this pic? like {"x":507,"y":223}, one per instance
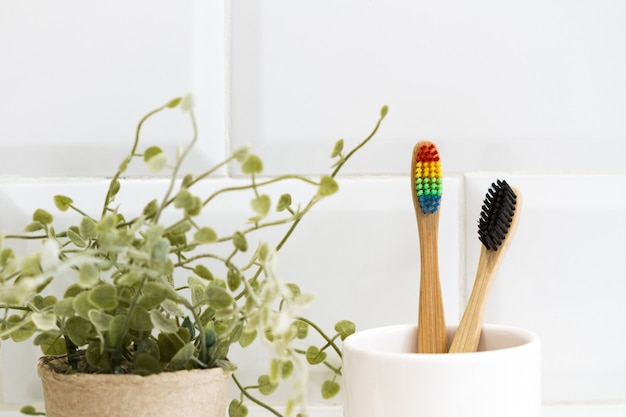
{"x":162,"y":290}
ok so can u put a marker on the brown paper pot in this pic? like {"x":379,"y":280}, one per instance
{"x":197,"y":393}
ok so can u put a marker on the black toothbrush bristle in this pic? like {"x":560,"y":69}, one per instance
{"x":496,"y":215}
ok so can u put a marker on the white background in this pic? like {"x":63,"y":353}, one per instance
{"x":532,"y":91}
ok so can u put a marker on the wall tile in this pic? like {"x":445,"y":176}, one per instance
{"x":563,"y":278}
{"x":506,"y":86}
{"x":74,"y":89}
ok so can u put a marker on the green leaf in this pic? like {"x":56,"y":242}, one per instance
{"x":76,"y":238}
{"x":241,"y":154}
{"x":73,"y":290}
{"x":172,"y":308}
{"x":187,"y":181}
{"x":184,"y":355}
{"x":24,"y":332}
{"x":383,"y":111}
{"x":29,"y":410}
{"x":153,"y":294}
{"x":266,"y":386}
{"x":94,"y":355}
{"x":328,"y":186}
{"x":209,"y":333}
{"x":33,"y":227}
{"x":151,"y":208}
{"x":82,"y":304}
{"x":218,"y":297}
{"x":148,"y":346}
{"x":64,"y":308}
{"x":168,"y":344}
{"x":146,"y":364}
{"x":286,"y":369}
{"x":261,"y":204}
{"x":88,"y":275}
{"x":129,"y":279}
{"x":100,"y":320}
{"x":274,"y":370}
{"x":240,"y":242}
{"x":51,"y":343}
{"x":337,"y":149}
{"x":62,"y":202}
{"x":247,"y":338}
{"x":195,"y":208}
{"x":44,"y":321}
{"x":330,"y":389}
{"x":203,"y":272}
{"x":302,"y":329}
{"x":183,"y":199}
{"x":205,"y":235}
{"x":6,"y":257}
{"x":187,"y":104}
{"x":162,"y":323}
{"x":237,"y":409}
{"x":174,"y":102}
{"x":263,"y":252}
{"x":284,"y":202}
{"x":345,"y":328}
{"x":88,"y":229}
{"x":115,"y":187}
{"x":233,"y":279}
{"x":315,"y":356}
{"x":252,"y":165}
{"x":160,"y":251}
{"x":78,"y":330}
{"x":140,"y":319}
{"x":198,"y":294}
{"x":116,"y":330}
{"x":155,"y":158}
{"x":42,"y":216}
{"x":104,"y":297}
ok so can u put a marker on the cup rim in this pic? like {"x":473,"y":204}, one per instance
{"x":529,"y":338}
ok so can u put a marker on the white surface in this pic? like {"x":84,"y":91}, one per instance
{"x":547,"y":411}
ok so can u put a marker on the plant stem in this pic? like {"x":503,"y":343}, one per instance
{"x":177,"y":166}
{"x":126,"y":161}
{"x":321,"y":333}
{"x":245,"y":392}
{"x":341,"y":163}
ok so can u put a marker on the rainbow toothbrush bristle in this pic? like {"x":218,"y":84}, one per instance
{"x":428,"y":178}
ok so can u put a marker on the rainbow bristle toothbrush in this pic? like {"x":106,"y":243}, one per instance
{"x":496,"y":227}
{"x":426,"y":180}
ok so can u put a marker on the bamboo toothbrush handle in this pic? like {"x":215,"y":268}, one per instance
{"x":432,"y":336}
{"x":467,"y":335}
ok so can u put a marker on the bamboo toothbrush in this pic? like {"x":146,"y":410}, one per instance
{"x":496,"y":227}
{"x":426,"y":190}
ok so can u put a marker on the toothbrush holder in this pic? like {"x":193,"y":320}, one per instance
{"x":383,"y":376}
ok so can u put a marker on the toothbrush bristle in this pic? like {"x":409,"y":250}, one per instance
{"x":496,"y":215}
{"x":428,"y":178}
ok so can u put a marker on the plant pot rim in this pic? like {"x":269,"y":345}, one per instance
{"x":51,"y":367}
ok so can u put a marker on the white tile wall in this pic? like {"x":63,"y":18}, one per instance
{"x":531,"y":92}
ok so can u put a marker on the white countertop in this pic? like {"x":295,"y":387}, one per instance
{"x":611,"y":410}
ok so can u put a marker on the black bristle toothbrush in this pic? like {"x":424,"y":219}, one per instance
{"x":496,"y":227}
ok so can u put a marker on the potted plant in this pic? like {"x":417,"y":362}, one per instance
{"x":161,"y":294}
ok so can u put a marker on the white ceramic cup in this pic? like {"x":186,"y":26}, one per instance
{"x":383,"y":377}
